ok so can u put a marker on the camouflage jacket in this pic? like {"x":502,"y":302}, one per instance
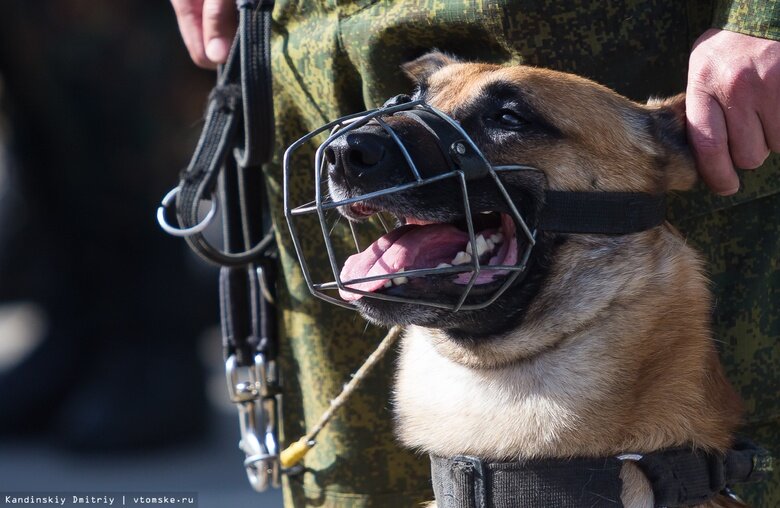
{"x":334,"y":57}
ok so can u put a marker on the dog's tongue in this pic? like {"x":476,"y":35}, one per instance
{"x":410,"y":246}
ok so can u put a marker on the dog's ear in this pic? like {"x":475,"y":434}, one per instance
{"x":421,"y":68}
{"x":667,"y":118}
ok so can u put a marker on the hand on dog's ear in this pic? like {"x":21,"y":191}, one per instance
{"x":421,"y":68}
{"x":668,"y":128}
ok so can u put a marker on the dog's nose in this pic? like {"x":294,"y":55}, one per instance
{"x":355,"y":156}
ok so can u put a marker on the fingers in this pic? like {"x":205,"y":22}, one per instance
{"x":219,"y":26}
{"x":770,"y":120}
{"x":189,"y":17}
{"x":207,"y":27}
{"x":708,"y":136}
{"x":737,"y":93}
{"x":746,"y":138}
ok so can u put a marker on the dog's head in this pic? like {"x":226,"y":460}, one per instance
{"x":580,"y":135}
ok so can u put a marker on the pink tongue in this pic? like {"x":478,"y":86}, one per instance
{"x":410,"y":246}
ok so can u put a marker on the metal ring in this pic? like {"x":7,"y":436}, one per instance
{"x":197,"y":228}
{"x":253,"y":460}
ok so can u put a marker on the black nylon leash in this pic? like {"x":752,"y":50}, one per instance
{"x":241,"y":100}
{"x":226,"y":168}
{"x":679,"y":477}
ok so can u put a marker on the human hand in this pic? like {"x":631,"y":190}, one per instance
{"x":732,"y":105}
{"x":207,"y":27}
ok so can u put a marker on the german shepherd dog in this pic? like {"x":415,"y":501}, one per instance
{"x":605,"y":346}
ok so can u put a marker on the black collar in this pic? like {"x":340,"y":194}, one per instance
{"x":679,"y":477}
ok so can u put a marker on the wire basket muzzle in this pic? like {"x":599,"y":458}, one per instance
{"x":317,"y":227}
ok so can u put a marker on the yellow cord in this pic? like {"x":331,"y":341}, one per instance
{"x":294,"y":453}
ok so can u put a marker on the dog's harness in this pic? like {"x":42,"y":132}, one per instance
{"x":678,"y":477}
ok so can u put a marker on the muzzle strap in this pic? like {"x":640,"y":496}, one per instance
{"x":601,"y":212}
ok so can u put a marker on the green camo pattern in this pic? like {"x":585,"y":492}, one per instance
{"x":333,"y":57}
{"x":759,"y":17}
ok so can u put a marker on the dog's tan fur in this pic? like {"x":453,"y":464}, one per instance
{"x":614,"y":355}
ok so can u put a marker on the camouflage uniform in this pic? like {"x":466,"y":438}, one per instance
{"x":333,"y":57}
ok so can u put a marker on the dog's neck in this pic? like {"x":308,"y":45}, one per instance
{"x":590,"y":374}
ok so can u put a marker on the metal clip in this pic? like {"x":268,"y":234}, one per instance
{"x":251,"y":389}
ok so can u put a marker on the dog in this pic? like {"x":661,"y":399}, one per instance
{"x":604,"y":346}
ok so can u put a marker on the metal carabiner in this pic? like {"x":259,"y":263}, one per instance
{"x":259,"y":463}
{"x":249,"y":387}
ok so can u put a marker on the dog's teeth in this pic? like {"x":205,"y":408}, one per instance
{"x":482,"y":246}
{"x":485,"y":213}
{"x":461,"y":258}
{"x":491,"y":245}
{"x":388,"y":283}
{"x":400,"y":280}
{"x":443,"y":265}
{"x":497,"y":238}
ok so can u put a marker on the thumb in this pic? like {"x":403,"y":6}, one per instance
{"x":219,"y":27}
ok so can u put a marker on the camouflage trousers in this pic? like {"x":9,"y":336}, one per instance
{"x":335,"y":57}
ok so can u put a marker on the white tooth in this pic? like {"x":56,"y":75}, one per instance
{"x":485,"y":213}
{"x":497,"y":237}
{"x":469,"y":250}
{"x":490,"y":244}
{"x":482,"y":246}
{"x":443,"y":265}
{"x":400,"y":280}
{"x":461,"y":258}
{"x":388,"y":283}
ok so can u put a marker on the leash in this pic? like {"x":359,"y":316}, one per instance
{"x":225,"y":170}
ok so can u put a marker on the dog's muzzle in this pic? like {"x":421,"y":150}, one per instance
{"x":358,"y":147}
{"x":367,"y":168}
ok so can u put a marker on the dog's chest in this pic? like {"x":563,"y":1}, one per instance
{"x":523,"y":410}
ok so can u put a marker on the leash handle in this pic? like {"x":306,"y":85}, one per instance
{"x":239,"y":121}
{"x":236,"y":140}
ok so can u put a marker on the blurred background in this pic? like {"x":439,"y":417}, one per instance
{"x":111,"y":375}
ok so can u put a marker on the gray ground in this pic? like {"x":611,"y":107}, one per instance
{"x":211,"y":467}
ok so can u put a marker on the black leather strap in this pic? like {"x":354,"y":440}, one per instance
{"x":601,"y":212}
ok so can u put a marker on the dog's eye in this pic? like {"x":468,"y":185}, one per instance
{"x":509,"y":119}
